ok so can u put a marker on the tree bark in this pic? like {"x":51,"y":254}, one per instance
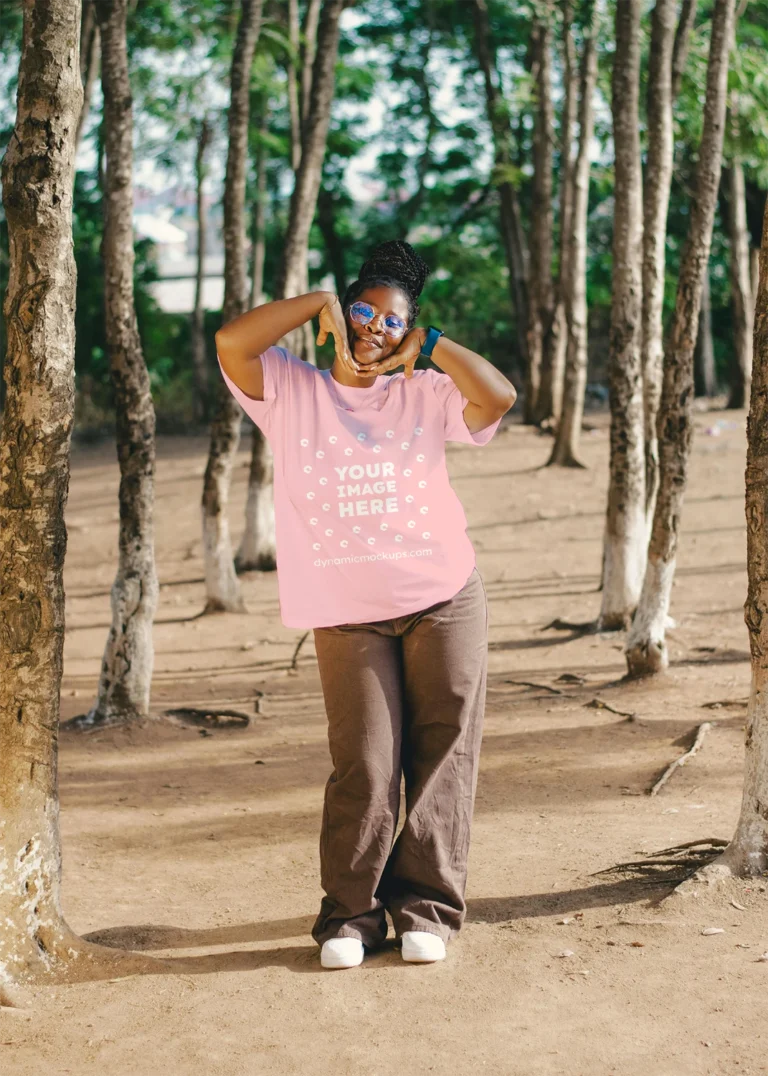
{"x":38,"y":173}
{"x":541,"y":328}
{"x":747,"y":854}
{"x":90,"y":58}
{"x":566,"y":450}
{"x":293,"y":87}
{"x":656,"y":191}
{"x":292,"y":276}
{"x":199,"y":358}
{"x":512,"y":234}
{"x":126,"y":668}
{"x":221,"y":584}
{"x":704,"y":359}
{"x":625,"y":529}
{"x":646,"y":646}
{"x":259,"y":216}
{"x":308,"y":52}
{"x":741,"y":287}
{"x":567,"y":124}
{"x":326,"y":219}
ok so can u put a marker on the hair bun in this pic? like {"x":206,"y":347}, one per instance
{"x":398,"y":260}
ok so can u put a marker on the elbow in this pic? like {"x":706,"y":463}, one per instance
{"x":509,"y":401}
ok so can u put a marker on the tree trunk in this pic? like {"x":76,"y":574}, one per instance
{"x":90,"y":58}
{"x":741,"y":288}
{"x":199,"y":358}
{"x":567,"y":125}
{"x":704,"y":358}
{"x":326,"y":219}
{"x":259,"y":216}
{"x":541,"y":326}
{"x":292,"y":277}
{"x":566,"y":450}
{"x":656,"y":191}
{"x":38,"y":173}
{"x":308,"y":52}
{"x":747,"y":854}
{"x":221,"y":585}
{"x":512,"y":234}
{"x":646,"y":647}
{"x":625,"y":528}
{"x":126,"y":668}
{"x":293,"y":87}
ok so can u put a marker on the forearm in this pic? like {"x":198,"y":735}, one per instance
{"x":474,"y":376}
{"x":252,"y":333}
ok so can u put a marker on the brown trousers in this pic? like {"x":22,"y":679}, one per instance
{"x":403,"y":696}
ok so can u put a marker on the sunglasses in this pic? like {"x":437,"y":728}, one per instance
{"x":363,"y":313}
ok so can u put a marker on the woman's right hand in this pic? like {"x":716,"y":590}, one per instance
{"x":332,"y":321}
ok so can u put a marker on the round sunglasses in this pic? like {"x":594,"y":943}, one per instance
{"x":363,"y":313}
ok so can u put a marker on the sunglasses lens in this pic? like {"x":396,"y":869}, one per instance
{"x":393,"y":326}
{"x":361,"y":313}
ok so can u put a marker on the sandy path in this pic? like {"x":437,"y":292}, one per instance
{"x":204,"y":848}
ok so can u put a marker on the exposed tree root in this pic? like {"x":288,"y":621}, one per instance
{"x":293,"y":667}
{"x":209,"y":719}
{"x":541,"y":687}
{"x":671,"y":866}
{"x":599,"y":704}
{"x":588,"y":627}
{"x":720,"y":704}
{"x":701,"y":732}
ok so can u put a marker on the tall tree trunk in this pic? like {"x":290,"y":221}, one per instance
{"x":567,"y":124}
{"x":704,"y":357}
{"x":259,"y":216}
{"x":646,"y":647}
{"x":747,"y":854}
{"x":293,"y":87}
{"x":90,"y":58}
{"x":625,"y":527}
{"x":38,"y":172}
{"x":541,"y":335}
{"x":221,"y":585}
{"x":656,"y":191}
{"x":199,"y":357}
{"x":566,"y":450}
{"x":126,"y":668}
{"x":308,"y":52}
{"x":334,"y":246}
{"x":740,"y":370}
{"x":512,"y":234}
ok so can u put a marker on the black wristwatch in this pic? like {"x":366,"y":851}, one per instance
{"x":433,"y":335}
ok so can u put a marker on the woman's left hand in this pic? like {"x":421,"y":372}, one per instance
{"x":406,"y":355}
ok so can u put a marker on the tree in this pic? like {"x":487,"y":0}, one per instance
{"x":704,"y":356}
{"x":199,"y":359}
{"x":747,"y":853}
{"x":625,"y":528}
{"x":222,"y":588}
{"x":512,"y":233}
{"x":126,"y":668}
{"x":37,"y":177}
{"x":574,"y":273}
{"x":740,"y":370}
{"x":668,"y":50}
{"x":90,"y":58}
{"x":646,"y":648}
{"x":257,"y":548}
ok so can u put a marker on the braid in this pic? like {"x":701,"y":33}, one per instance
{"x":394,"y":264}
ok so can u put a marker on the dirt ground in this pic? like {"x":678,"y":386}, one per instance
{"x":203,"y":848}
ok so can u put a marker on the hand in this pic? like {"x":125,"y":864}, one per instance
{"x":406,"y":354}
{"x":332,"y":321}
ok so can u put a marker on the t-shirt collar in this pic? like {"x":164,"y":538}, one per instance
{"x":357,"y":397}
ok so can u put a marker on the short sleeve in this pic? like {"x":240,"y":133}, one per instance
{"x":453,"y":403}
{"x":275,"y":365}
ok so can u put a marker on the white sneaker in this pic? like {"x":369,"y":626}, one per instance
{"x":341,"y":953}
{"x":421,"y":947}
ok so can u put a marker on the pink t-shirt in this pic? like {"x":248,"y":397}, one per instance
{"x":367,"y":524}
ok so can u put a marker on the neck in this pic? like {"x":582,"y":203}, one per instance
{"x":341,"y":374}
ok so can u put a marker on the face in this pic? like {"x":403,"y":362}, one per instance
{"x":371,"y":343}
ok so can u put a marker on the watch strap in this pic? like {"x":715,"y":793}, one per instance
{"x":433,"y":335}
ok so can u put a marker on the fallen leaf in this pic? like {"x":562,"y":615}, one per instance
{"x":637,"y":945}
{"x":564,"y":922}
{"x":763,"y":957}
{"x":566,"y":953}
{"x":709,"y":931}
{"x":736,"y":904}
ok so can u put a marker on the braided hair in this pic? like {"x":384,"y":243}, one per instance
{"x":394,"y":264}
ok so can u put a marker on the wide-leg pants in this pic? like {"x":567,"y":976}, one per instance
{"x":406,"y":697}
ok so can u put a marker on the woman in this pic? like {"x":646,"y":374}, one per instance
{"x":373,"y":555}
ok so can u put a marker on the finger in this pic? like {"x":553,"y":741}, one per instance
{"x":322,"y":336}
